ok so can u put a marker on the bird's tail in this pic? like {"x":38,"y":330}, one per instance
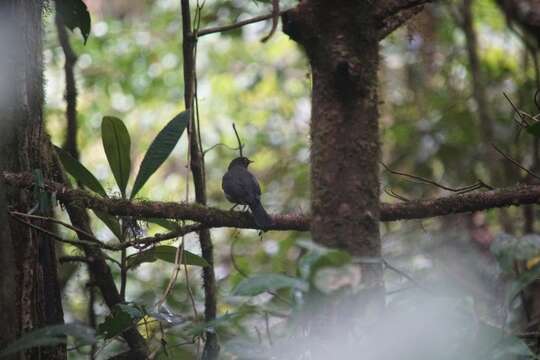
{"x":262,"y":219}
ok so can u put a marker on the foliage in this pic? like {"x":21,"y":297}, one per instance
{"x":160,"y":149}
{"x":122,"y":317}
{"x":74,"y":14}
{"x":131,"y":68}
{"x":117,"y":145}
{"x":51,"y":335}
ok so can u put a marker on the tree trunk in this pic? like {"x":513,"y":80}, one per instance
{"x":341,"y":42}
{"x":30,"y":295}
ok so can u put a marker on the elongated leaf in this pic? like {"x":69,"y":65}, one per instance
{"x":166,"y":253}
{"x":524,"y":280}
{"x":111,"y":222}
{"x":318,"y":257}
{"x":160,"y":149}
{"x":51,"y":335}
{"x":74,"y":14}
{"x":79,"y":172}
{"x":260,"y":283}
{"x":117,"y":145}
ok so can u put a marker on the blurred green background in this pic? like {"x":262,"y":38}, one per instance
{"x":131,"y":67}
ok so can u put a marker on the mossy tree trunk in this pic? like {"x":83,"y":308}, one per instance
{"x":341,"y":42}
{"x":29,"y":295}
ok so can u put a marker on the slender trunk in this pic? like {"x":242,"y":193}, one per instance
{"x":211,"y":346}
{"x":70,"y":95}
{"x":30,"y":295}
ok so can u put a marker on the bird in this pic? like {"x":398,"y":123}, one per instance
{"x":242,"y":188}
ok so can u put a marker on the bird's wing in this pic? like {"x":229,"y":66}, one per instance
{"x":241,"y":186}
{"x":254,"y":184}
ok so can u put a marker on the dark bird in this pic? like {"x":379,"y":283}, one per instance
{"x":241,"y":187}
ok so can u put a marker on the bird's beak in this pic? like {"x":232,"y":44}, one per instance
{"x":250,"y":161}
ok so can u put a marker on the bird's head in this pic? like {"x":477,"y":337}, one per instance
{"x":240,"y":161}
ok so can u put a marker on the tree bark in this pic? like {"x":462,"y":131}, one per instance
{"x":30,"y":295}
{"x":341,"y":42}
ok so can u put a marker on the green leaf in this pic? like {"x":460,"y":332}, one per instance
{"x":122,"y":318}
{"x":79,"y":172}
{"x":166,"y":253}
{"x":111,"y":222}
{"x":160,"y":149}
{"x":117,"y":144}
{"x":524,"y":280}
{"x":164,"y":223}
{"x":260,"y":283}
{"x":74,"y":14}
{"x":534,"y":129}
{"x":319,"y":257}
{"x":51,"y":335}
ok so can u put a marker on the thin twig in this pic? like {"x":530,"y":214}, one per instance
{"x":157,"y":238}
{"x":220,"y":29}
{"x":507,"y":157}
{"x":523,"y":123}
{"x":240,"y":145}
{"x":138,"y":243}
{"x":216,"y":145}
{"x":388,"y":191}
{"x":53,"y":235}
{"x":476,"y":186}
{"x":190,"y":292}
{"x":267,"y":327}
{"x":79,"y":243}
{"x":275,"y":19}
{"x":401,"y":273}
{"x":56,"y":221}
{"x":172,"y":280}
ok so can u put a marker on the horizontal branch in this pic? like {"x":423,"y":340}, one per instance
{"x":212,"y":217}
{"x":391,"y":23}
{"x":390,"y":14}
{"x":390,"y":8}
